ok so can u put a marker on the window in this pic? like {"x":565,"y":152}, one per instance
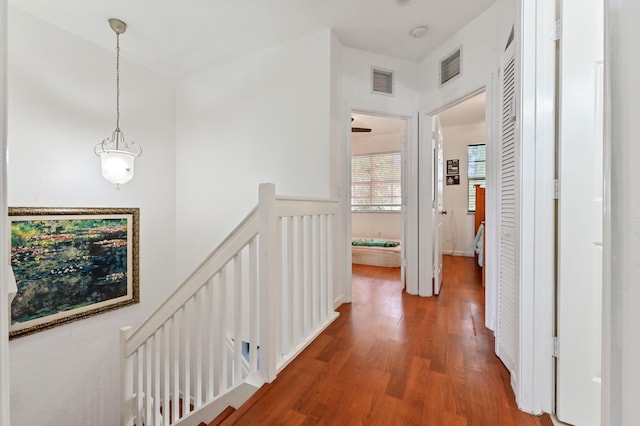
{"x":476,"y":172}
{"x":375,"y":182}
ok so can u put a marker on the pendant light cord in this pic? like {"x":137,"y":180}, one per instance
{"x":117,"y":86}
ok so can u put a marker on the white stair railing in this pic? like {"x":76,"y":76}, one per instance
{"x":256,"y":302}
{"x":306,"y":295}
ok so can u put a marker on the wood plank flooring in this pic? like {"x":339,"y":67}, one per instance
{"x":395,"y":359}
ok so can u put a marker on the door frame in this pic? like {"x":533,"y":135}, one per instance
{"x":536,"y":87}
{"x":427,"y":175}
{"x":411,"y":283}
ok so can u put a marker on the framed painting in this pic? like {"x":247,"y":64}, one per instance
{"x":71,"y":263}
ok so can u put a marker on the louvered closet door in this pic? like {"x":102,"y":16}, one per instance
{"x":506,"y":341}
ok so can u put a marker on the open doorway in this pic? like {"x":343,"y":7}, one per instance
{"x":377,"y":174}
{"x":463,"y":171}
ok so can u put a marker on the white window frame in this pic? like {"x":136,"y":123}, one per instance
{"x":377,"y":207}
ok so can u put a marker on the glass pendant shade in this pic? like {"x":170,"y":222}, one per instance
{"x":117,"y":166}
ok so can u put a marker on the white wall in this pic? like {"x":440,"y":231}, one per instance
{"x":383,"y":225}
{"x":483,"y":40}
{"x":61,"y":103}
{"x":621,"y":383}
{"x":4,"y":268}
{"x":457,"y":224}
{"x":356,"y":82}
{"x":264,"y":118}
{"x":339,"y":125}
{"x":376,"y":225}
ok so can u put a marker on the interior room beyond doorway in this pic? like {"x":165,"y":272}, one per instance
{"x":376,"y":190}
{"x":464,"y":150}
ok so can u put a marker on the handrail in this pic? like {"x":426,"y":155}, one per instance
{"x":193,"y":346}
{"x":295,"y":206}
{"x":316,"y":199}
{"x":222,"y":254}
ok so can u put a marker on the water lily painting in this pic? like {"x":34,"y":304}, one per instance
{"x":70,"y":263}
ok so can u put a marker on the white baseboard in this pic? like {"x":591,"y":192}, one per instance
{"x":338,"y":301}
{"x":557,"y":422}
{"x":459,"y":253}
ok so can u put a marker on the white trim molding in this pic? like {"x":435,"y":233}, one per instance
{"x":491,"y":202}
{"x":5,"y":270}
{"x":535,"y":59}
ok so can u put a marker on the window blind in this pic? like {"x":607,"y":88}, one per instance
{"x":376,"y":182}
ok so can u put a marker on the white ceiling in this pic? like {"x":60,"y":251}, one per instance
{"x":379,"y":125}
{"x":174,"y":36}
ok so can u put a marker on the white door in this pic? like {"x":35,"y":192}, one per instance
{"x":438,"y":180}
{"x":425,"y":197}
{"x":508,"y":215}
{"x":430,"y":186}
{"x":580,"y":213}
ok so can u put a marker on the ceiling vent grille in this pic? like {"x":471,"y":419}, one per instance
{"x":451,"y":67}
{"x":382,"y":81}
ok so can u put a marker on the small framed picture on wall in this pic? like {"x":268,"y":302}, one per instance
{"x":453,"y":180}
{"x":453,"y":168}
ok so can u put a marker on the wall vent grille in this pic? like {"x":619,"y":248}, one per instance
{"x":382,"y":81}
{"x":451,"y":67}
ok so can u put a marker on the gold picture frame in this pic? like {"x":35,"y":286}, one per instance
{"x":71,"y":263}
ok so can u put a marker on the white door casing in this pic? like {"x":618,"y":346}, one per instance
{"x":535,"y":30}
{"x":580,"y":212}
{"x":345,"y":228}
{"x":409,"y":233}
{"x":437,"y":210}
{"x":404,"y":172}
{"x":491,"y":197}
{"x":411,"y":243}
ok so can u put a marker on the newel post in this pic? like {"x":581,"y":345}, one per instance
{"x":270,"y":267}
{"x":126,"y":379}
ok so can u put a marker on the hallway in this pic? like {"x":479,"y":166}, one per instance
{"x":395,"y":359}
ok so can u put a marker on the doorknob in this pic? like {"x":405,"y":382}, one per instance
{"x":443,"y":212}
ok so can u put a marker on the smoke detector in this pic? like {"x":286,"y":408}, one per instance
{"x":418,"y":31}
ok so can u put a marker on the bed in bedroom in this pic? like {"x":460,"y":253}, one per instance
{"x":376,"y":252}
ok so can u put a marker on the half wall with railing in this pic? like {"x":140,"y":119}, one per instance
{"x":252,"y":306}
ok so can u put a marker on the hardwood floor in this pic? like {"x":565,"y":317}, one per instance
{"x":395,"y":359}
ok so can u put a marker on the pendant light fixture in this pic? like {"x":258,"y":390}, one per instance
{"x":116,"y":154}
